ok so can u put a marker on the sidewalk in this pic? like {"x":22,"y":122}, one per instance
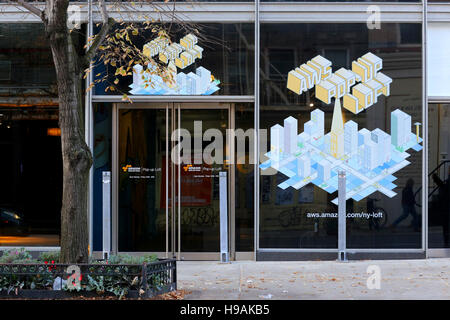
{"x":314,"y":280}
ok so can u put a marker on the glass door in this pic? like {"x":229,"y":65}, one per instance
{"x":143,"y":178}
{"x":154,"y":182}
{"x":197,"y":185}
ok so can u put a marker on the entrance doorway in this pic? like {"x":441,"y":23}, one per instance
{"x":164,"y":201}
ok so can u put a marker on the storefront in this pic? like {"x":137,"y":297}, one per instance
{"x":330,"y":87}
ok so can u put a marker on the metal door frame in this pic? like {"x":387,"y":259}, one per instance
{"x":180,"y":255}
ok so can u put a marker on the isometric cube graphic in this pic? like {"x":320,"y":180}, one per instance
{"x":367,"y":172}
{"x":205,"y":78}
{"x":348,"y":76}
{"x":339,"y":83}
{"x":364,"y":136}
{"x":181,"y":80}
{"x":374,"y":61}
{"x":385,"y":82}
{"x":296,"y":82}
{"x":199,"y":82}
{"x":276,"y":142}
{"x":400,"y":128}
{"x":376,"y":88}
{"x":312,"y":75}
{"x":383,"y":142}
{"x":351,"y":138}
{"x":155,"y":46}
{"x":369,"y":68}
{"x":361,"y":70}
{"x":350,"y":102}
{"x":370,"y":155}
{"x":369,"y":158}
{"x":310,"y":129}
{"x":325,"y":90}
{"x":304,"y":166}
{"x":318,"y":119}
{"x":198,"y":51}
{"x":138,"y":75}
{"x":290,"y":135}
{"x":195,"y":84}
{"x":324,"y":170}
{"x":324,"y":65}
{"x":364,"y":95}
{"x":189,"y":41}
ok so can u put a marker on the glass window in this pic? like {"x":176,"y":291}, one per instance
{"x":31,"y":181}
{"x":438,"y":63}
{"x":30,"y":143}
{"x":220,"y":63}
{"x":438,"y":175}
{"x":102,"y":162}
{"x":26,"y":64}
{"x":244,"y":179}
{"x":372,"y":132}
{"x":341,"y":0}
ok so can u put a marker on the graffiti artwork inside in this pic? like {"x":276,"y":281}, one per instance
{"x":176,"y":56}
{"x":369,"y":158}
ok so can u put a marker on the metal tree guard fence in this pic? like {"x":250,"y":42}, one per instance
{"x":66,"y":280}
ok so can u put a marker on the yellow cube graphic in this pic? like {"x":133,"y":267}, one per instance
{"x":312,"y":75}
{"x":325,"y":90}
{"x":348,"y":76}
{"x":324,"y":64}
{"x":163,"y":57}
{"x":199,"y":51}
{"x":351,"y":103}
{"x":187,"y":57}
{"x":385,"y":82}
{"x":364,"y":95}
{"x":189,"y":41}
{"x":296,"y":82}
{"x":316,"y":68}
{"x":376,"y":88}
{"x":180,"y":63}
{"x":360,"y":70}
{"x":368,"y":66}
{"x":339,"y":83}
{"x":375,"y":61}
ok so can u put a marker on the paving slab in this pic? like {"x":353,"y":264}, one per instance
{"x":315,"y":280}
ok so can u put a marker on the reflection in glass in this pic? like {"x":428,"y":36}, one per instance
{"x":199,"y":185}
{"x":31,"y":178}
{"x":142,"y":167}
{"x":439,"y":176}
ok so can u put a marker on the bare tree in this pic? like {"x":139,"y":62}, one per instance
{"x":112,"y":48}
{"x":77,"y":158}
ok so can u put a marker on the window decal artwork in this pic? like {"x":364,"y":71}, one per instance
{"x":369,"y":158}
{"x":176,"y":55}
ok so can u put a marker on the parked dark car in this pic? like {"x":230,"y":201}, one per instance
{"x":12,"y":222}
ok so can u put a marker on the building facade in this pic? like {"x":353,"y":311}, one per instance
{"x":280,"y":96}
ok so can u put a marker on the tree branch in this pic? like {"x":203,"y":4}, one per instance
{"x":107,"y":24}
{"x":34,"y":10}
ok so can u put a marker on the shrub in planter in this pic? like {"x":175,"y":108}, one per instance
{"x":49,"y":256}
{"x":118,"y":275}
{"x":14,"y":255}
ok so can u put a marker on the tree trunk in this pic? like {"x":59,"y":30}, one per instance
{"x":77,"y":158}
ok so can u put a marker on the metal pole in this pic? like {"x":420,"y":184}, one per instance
{"x":342,"y":251}
{"x":89,"y":132}
{"x":223,"y":199}
{"x":106,"y":195}
{"x":257,"y":138}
